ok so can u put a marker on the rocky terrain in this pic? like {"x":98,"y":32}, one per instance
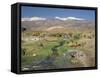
{"x":57,"y":43}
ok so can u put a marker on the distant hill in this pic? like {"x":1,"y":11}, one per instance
{"x":45,"y":24}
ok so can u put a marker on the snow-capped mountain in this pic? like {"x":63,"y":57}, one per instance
{"x":56,"y":22}
{"x":42,"y":18}
{"x":68,"y":18}
{"x":33,"y":18}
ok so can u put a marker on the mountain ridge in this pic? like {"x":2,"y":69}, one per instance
{"x":42,"y":23}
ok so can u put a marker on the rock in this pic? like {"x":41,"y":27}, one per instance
{"x":79,"y":55}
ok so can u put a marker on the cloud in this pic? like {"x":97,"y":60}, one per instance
{"x":33,"y":19}
{"x":69,"y":18}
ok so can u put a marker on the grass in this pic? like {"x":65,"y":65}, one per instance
{"x":41,"y":52}
{"x":42,"y":48}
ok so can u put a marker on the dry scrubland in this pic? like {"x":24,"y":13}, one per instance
{"x":57,"y":48}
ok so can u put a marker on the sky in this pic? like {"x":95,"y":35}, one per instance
{"x":28,"y":11}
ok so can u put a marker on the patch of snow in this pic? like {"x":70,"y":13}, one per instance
{"x":32,"y":18}
{"x":69,"y":18}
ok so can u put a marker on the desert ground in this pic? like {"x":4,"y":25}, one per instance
{"x":57,"y":47}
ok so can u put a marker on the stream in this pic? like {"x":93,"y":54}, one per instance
{"x":47,"y":63}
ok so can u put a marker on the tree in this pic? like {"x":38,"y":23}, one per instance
{"x":77,"y":36}
{"x":23,"y":29}
{"x":23,"y":51}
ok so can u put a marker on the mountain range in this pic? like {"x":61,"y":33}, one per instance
{"x":56,"y":22}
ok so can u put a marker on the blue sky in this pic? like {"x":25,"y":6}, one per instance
{"x":53,"y":12}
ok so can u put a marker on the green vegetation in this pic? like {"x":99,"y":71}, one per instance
{"x":39,"y":45}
